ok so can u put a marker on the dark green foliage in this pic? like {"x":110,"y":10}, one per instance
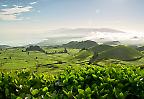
{"x":34,"y":48}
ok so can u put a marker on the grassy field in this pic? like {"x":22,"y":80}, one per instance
{"x":15,"y":58}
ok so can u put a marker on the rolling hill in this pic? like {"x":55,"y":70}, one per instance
{"x":119,"y":52}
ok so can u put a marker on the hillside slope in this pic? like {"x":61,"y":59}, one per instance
{"x":83,"y":54}
{"x":119,"y":52}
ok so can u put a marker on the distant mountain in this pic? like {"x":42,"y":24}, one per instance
{"x":118,"y":52}
{"x":4,"y":46}
{"x":80,"y":45}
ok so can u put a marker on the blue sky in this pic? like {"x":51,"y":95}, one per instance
{"x":123,"y":14}
{"x":19,"y":17}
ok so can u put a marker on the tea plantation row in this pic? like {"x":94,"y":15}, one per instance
{"x":85,"y":82}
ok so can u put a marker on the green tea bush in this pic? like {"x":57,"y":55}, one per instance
{"x":86,"y":82}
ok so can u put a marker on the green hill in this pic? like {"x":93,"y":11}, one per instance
{"x":80,"y":45}
{"x":100,"y":48}
{"x":119,"y":52}
{"x":85,"y":54}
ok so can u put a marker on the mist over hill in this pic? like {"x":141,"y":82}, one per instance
{"x":100,"y":35}
{"x":62,"y":36}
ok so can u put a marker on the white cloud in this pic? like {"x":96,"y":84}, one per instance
{"x":124,"y":38}
{"x":12,"y":13}
{"x":4,"y":5}
{"x":33,"y":3}
{"x":15,"y":10}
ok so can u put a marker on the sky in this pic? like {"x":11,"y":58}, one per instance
{"x":22,"y":19}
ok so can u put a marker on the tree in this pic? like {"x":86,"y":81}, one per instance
{"x":65,"y":50}
{"x":34,"y":48}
